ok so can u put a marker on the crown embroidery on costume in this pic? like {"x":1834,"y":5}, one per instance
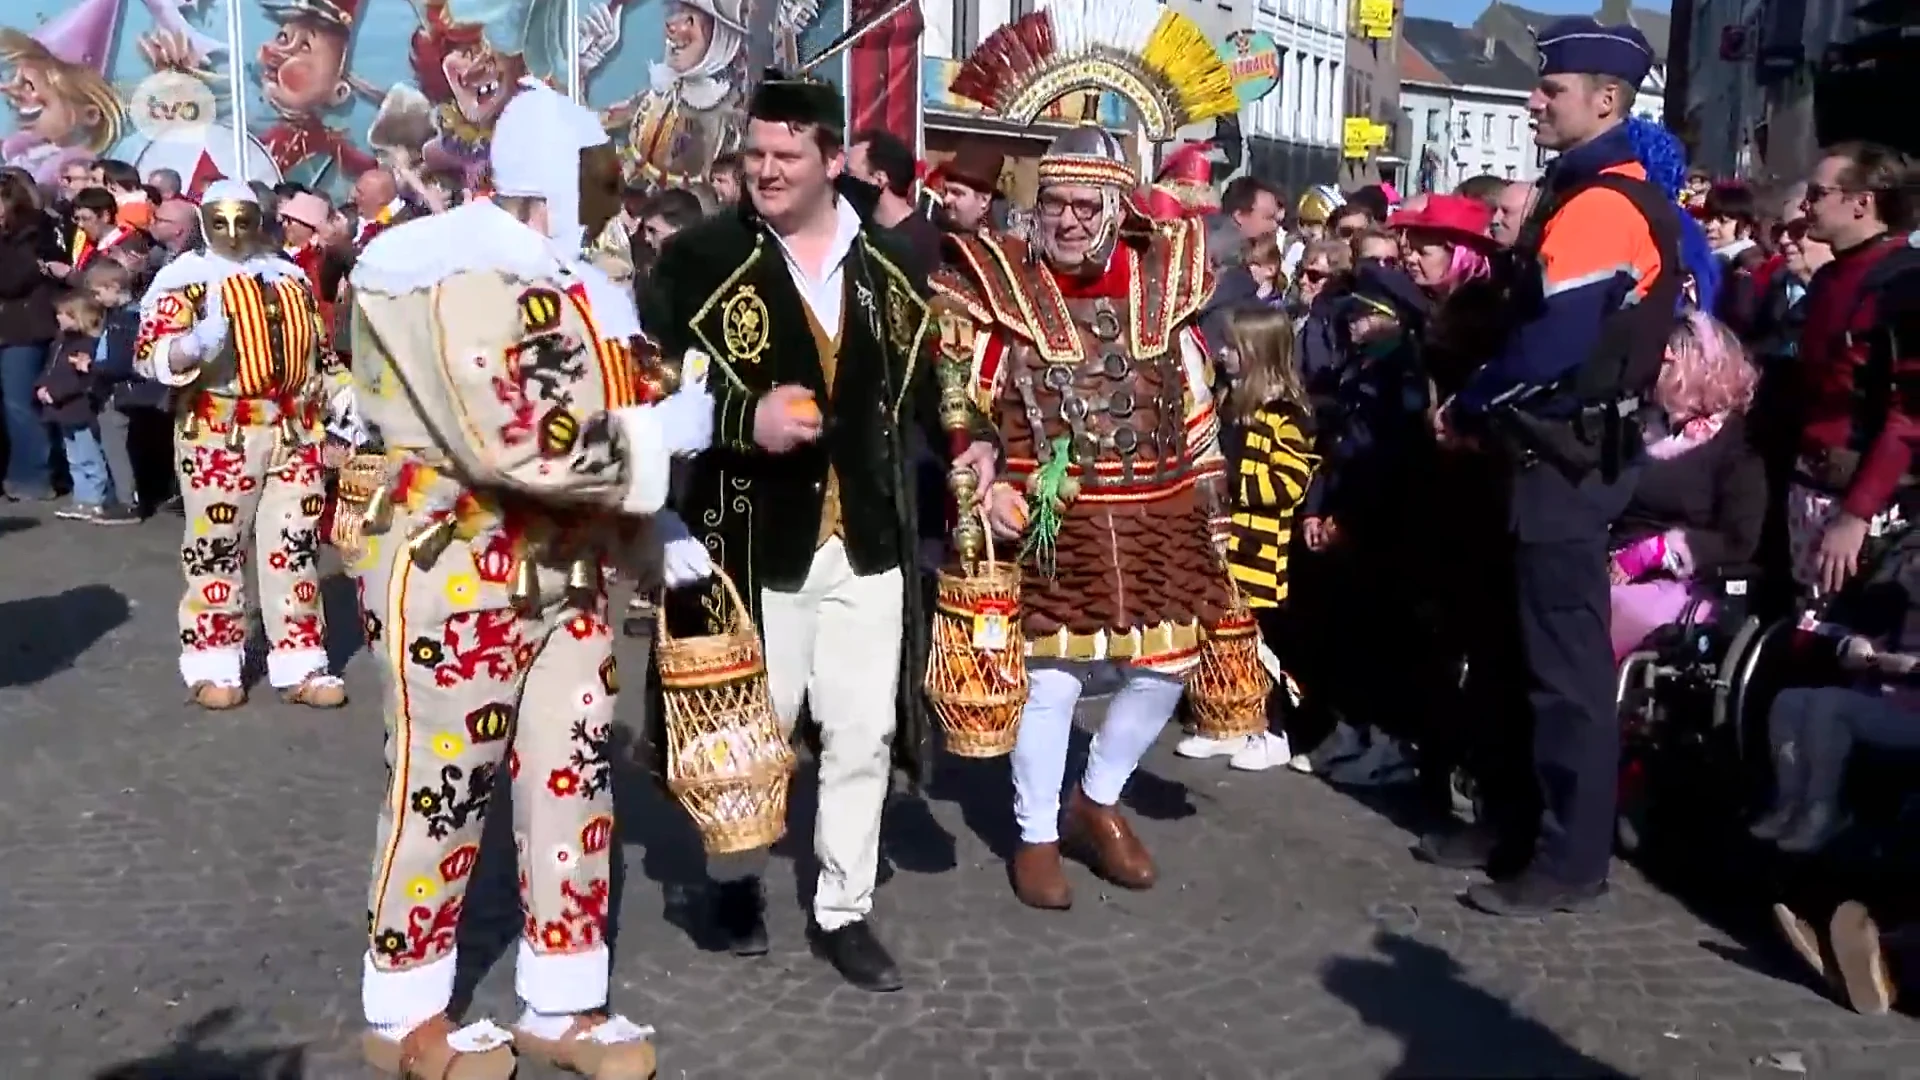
{"x":1156,"y":58}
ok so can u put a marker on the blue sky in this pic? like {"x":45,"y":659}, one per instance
{"x":1463,"y":12}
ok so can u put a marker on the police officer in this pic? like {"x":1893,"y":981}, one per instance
{"x":1596,"y":277}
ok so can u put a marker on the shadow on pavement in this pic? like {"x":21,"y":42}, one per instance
{"x":1446,"y":1026}
{"x":189,"y":1058}
{"x":43,"y":635}
{"x":17,"y":524}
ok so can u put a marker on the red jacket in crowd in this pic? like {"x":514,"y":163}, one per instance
{"x":1833,"y":351}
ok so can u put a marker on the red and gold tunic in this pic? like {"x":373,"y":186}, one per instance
{"x":1110,"y":372}
{"x":268,"y":364}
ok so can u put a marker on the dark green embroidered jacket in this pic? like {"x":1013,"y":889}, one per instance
{"x":723,"y":287}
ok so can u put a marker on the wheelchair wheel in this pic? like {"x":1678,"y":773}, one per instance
{"x":1757,"y":664}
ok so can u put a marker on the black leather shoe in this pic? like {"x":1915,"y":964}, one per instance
{"x":859,"y":957}
{"x":1532,"y":893}
{"x":740,"y":914}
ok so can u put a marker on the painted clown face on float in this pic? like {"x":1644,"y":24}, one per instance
{"x":55,"y":102}
{"x":689,"y":33}
{"x":303,"y":67}
{"x":481,"y":80}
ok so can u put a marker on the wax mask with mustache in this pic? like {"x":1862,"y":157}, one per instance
{"x":231,"y":220}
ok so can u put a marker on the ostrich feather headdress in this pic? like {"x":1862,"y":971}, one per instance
{"x":1155,"y":57}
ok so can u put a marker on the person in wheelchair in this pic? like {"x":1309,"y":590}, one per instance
{"x":1702,"y":497}
{"x":1812,"y":731}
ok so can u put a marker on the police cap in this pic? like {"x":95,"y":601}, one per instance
{"x":1581,"y":46}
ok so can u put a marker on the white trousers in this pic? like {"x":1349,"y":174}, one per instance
{"x":835,"y":644}
{"x":1135,"y":717}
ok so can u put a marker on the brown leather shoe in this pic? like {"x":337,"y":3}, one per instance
{"x":427,"y":1053}
{"x":1100,"y":836}
{"x":1038,"y":878}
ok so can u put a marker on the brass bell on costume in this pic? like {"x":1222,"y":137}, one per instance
{"x":236,"y":435}
{"x":430,"y":540}
{"x":191,"y":429}
{"x":583,"y":580}
{"x":377,"y":516}
{"x":523,"y":591}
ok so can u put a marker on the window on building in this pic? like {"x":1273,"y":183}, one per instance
{"x":1466,"y":128}
{"x":1513,"y":133}
{"x":1433,"y":125}
{"x":1512,"y":172}
{"x":1486,"y":129}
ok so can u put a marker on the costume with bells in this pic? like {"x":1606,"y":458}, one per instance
{"x":495,"y":367}
{"x":1096,"y":378}
{"x":236,"y":330}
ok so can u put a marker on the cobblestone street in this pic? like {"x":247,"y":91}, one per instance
{"x":184,"y":900}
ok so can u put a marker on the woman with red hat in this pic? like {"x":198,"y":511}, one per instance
{"x":1448,"y":239}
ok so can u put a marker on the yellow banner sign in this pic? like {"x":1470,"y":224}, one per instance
{"x":1376,"y":18}
{"x":1359,"y":135}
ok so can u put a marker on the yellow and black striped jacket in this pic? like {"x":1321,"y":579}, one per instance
{"x":1270,"y":478}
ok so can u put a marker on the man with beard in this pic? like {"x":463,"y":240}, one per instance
{"x":1103,"y":404}
{"x":968,"y":181}
{"x":303,"y":76}
{"x":727,"y":178}
{"x":881,"y":161}
{"x":816,"y":339}
{"x":495,"y":365}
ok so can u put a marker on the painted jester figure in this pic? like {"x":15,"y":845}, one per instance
{"x":235,"y":328}
{"x":1083,"y":350}
{"x":495,"y":368}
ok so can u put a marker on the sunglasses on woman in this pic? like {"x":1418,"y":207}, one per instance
{"x":1314,"y":277}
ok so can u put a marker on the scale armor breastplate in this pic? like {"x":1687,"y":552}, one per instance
{"x":1120,"y":415}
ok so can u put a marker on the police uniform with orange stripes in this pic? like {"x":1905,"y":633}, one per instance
{"x":518,"y":445}
{"x":1599,"y":277}
{"x":236,"y":330}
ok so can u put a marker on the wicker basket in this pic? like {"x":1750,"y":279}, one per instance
{"x":361,"y":487}
{"x":977,"y":666}
{"x":1228,"y":689}
{"x":727,"y":761}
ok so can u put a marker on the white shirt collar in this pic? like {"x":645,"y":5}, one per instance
{"x":824,"y":295}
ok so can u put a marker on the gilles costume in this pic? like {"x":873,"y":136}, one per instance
{"x":821,"y":539}
{"x":495,"y":368}
{"x":236,"y":331}
{"x":1097,"y":381}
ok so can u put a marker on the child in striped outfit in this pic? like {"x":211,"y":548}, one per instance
{"x":1265,"y":435}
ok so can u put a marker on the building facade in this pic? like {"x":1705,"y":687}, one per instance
{"x":1293,"y":134}
{"x":1463,"y":100}
{"x":1373,"y":92}
{"x":1753,"y":68}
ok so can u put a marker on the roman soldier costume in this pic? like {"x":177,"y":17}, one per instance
{"x":494,"y":368}
{"x":1097,"y":380}
{"x":235,"y":329}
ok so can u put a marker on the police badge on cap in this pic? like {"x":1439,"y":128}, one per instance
{"x":1581,"y":46}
